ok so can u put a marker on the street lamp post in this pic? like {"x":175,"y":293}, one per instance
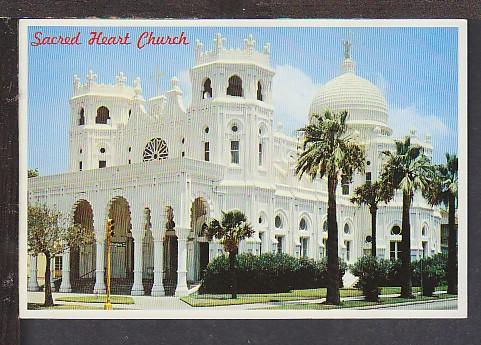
{"x":109,"y":235}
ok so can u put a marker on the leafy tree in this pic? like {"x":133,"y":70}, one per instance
{"x":371,"y":194}
{"x":407,"y":170}
{"x":232,"y":229}
{"x":32,"y":173}
{"x":444,"y":190}
{"x":50,"y":233}
{"x":328,"y":150}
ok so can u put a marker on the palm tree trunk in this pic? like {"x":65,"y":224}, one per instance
{"x":47,"y":287}
{"x":406,"y":280}
{"x":373,"y":231}
{"x":333,"y":296}
{"x":233,"y":269}
{"x":452,"y":248}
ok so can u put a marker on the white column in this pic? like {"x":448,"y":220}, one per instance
{"x":99,"y":287}
{"x":66,"y":286}
{"x":99,"y":228}
{"x":158,"y":229}
{"x":32,"y":279}
{"x":182,"y":288}
{"x":138,"y":232}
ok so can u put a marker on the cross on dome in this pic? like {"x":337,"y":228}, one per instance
{"x":121,"y":78}
{"x":347,"y":48}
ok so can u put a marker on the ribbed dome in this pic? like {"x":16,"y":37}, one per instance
{"x":362,"y":100}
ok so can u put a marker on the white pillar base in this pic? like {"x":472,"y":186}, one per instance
{"x":99,"y":287}
{"x":65,"y":286}
{"x":137,"y":290}
{"x":182,"y":289}
{"x":33,"y":287}
{"x":157,"y":291}
{"x":64,"y":289}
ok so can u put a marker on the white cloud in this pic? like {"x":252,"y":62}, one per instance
{"x":292,"y":93}
{"x":444,"y":139}
{"x":185,"y":86}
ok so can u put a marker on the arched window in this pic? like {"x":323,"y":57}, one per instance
{"x":396,"y":230}
{"x":235,"y":86}
{"x":424,"y":231}
{"x":278,"y":222}
{"x":156,"y":149}
{"x":81,"y":120}
{"x":303,"y":224}
{"x":103,"y":114}
{"x":347,"y":229}
{"x":207,"y":91}
{"x":259,"y":91}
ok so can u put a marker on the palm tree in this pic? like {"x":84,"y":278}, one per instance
{"x":371,"y":194}
{"x":407,"y":170}
{"x":230,"y":231}
{"x":328,"y":150}
{"x":444,"y":190}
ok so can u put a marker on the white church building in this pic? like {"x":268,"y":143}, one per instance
{"x":162,"y":170}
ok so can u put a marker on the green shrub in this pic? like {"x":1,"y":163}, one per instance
{"x":430,"y":272}
{"x":267,"y":273}
{"x":372,"y":273}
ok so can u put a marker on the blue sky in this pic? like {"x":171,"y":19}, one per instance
{"x":416,"y":68}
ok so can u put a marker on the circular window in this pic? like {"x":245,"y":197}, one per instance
{"x":347,"y":229}
{"x":234,"y":128}
{"x":368,"y":239}
{"x":396,"y":230}
{"x":278,"y":222}
{"x":368,"y":163}
{"x":324,"y":226}
{"x":303,"y":224}
{"x":206,"y":130}
{"x":156,"y":149}
{"x":102,"y":150}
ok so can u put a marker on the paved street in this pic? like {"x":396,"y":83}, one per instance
{"x":438,"y":305}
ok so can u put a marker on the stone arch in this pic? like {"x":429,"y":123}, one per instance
{"x":82,"y":259}
{"x":235,"y":86}
{"x":349,"y":223}
{"x":198,"y":248}
{"x":206,"y":88}
{"x":309,"y":223}
{"x":285,"y":220}
{"x":122,"y":246}
{"x":103,"y":114}
{"x":265,"y":220}
{"x":425,"y":225}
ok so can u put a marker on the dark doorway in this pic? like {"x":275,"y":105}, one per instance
{"x":203,"y":257}
{"x":170,"y":264}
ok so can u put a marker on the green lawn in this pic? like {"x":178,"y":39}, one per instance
{"x":97,"y":299}
{"x":357,"y":303}
{"x":212,"y":300}
{"x":39,"y":306}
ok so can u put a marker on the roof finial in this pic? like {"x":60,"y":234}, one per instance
{"x":347,"y":46}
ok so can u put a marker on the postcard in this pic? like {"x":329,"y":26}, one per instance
{"x":243,"y":168}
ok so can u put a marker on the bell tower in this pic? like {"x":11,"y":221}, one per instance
{"x":99,"y":114}
{"x":232,"y":104}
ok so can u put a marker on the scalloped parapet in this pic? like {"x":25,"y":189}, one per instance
{"x":240,"y":55}
{"x":118,"y":89}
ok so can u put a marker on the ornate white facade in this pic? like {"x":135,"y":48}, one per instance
{"x":162,"y":170}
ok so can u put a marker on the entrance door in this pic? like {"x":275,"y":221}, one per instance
{"x":203,"y":257}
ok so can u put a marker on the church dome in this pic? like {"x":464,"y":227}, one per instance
{"x":364,"y":102}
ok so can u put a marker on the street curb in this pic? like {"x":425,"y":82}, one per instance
{"x":405,"y":303}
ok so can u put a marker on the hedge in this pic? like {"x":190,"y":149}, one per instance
{"x":267,"y":273}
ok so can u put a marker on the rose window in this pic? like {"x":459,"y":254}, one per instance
{"x":156,"y":149}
